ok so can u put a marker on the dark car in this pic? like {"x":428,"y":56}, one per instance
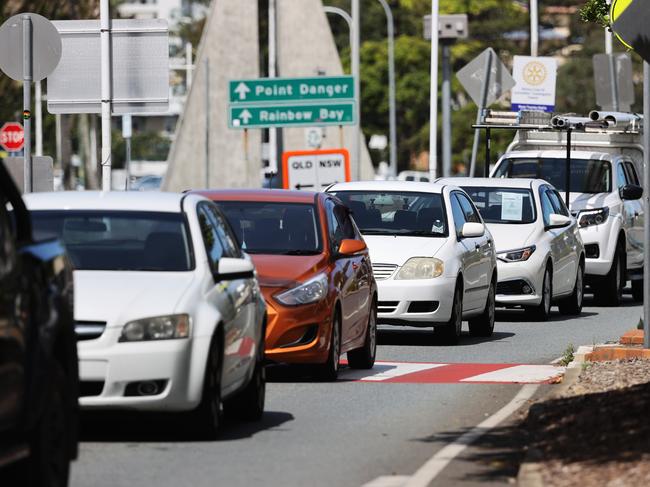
{"x":38,"y":351}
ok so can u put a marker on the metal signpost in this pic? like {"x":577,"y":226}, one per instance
{"x":485,"y":78}
{"x":630,"y":19}
{"x":30,"y":49}
{"x":292,"y":102}
{"x":127,"y":132}
{"x":315,"y":170}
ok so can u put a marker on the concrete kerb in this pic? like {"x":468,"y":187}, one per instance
{"x":530,"y":471}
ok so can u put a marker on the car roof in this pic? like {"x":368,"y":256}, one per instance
{"x":112,"y":200}
{"x":526,"y":183}
{"x":265,"y":195}
{"x":407,"y":186}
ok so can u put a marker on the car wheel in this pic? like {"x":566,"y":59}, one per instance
{"x":637,"y":290}
{"x":610,"y":290}
{"x":450,"y":333}
{"x":364,"y":357}
{"x":542,"y":312}
{"x":329,"y":371}
{"x":573,"y":304}
{"x":209,"y":414}
{"x":483,"y":325}
{"x":248,"y":405}
{"x":49,"y":461}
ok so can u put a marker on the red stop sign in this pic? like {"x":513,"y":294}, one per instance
{"x":12,"y":137}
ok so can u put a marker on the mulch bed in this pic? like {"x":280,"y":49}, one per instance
{"x":598,"y":432}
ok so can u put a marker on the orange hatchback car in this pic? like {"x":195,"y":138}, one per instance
{"x":314,"y":271}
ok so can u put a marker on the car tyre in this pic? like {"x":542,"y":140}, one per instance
{"x":573,"y":304}
{"x":483,"y":325}
{"x":364,"y":357}
{"x":609,"y":291}
{"x":542,"y":312}
{"x":248,"y":404}
{"x":450,"y":333}
{"x":637,"y":290}
{"x":329,"y":371}
{"x":209,"y":414}
{"x":49,"y":462}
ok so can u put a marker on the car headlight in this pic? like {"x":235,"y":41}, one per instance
{"x":156,"y":328}
{"x":309,"y":291}
{"x":587,"y":218}
{"x":518,"y":255}
{"x":421,"y":268}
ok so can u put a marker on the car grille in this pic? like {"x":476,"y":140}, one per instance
{"x":89,"y":330}
{"x":383,"y":271}
{"x":512,"y":288}
{"x":387,"y":306}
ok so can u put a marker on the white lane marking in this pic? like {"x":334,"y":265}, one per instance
{"x":388,"y":481}
{"x":427,"y":472}
{"x":523,"y":374}
{"x":385,"y":370}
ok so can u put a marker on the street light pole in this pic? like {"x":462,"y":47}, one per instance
{"x":433,"y":95}
{"x":356,"y":138}
{"x":392,"y":117}
{"x":105,"y":39}
{"x":273,"y":132}
{"x":534,"y":28}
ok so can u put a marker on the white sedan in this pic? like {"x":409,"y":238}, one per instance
{"x":541,"y":258}
{"x":168,"y":312}
{"x":432,"y":256}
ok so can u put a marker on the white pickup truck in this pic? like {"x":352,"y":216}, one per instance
{"x":605,"y":197}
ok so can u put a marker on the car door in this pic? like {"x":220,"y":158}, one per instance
{"x":482,"y":250}
{"x":12,"y":326}
{"x":466,"y":252}
{"x":345,"y":270}
{"x":560,"y":248}
{"x":227,"y":297}
{"x":569,"y":238}
{"x":635,"y":233}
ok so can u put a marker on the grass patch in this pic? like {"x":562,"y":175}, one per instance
{"x":567,"y":356}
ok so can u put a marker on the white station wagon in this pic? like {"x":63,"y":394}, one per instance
{"x":168,"y":312}
{"x":432,"y":256}
{"x":541,"y":258}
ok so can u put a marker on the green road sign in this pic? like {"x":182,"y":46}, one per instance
{"x":260,"y":116}
{"x":287,"y":90}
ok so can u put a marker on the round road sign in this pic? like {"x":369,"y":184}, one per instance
{"x":12,"y":137}
{"x":46,"y":47}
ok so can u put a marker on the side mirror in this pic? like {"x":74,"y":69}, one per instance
{"x":631,"y":192}
{"x":230,"y":269}
{"x":558,"y":221}
{"x":472,"y":230}
{"x":350,"y":246}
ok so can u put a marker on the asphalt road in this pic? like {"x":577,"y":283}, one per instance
{"x":343,"y":433}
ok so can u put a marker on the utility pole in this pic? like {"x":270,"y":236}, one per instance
{"x":392,"y":116}
{"x":273,"y":132}
{"x":27,"y":101}
{"x":433,"y":95}
{"x":105,"y":39}
{"x":534,"y":28}
{"x":356,"y":138}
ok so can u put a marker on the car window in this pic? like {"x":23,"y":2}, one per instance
{"x":503,"y":205}
{"x":346,"y":226}
{"x":471,"y":214}
{"x":210,"y":236}
{"x":107,"y":240}
{"x":547,"y":206}
{"x":631,"y":173}
{"x":586,"y":175}
{"x":228,"y":241}
{"x":334,"y":227}
{"x":621,"y":177}
{"x":457,"y":212}
{"x":403,"y":213}
{"x":556,"y":201}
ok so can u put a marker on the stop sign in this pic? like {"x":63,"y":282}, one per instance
{"x":12,"y":137}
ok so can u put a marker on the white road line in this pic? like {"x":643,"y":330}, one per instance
{"x":388,"y":481}
{"x":522,"y":374}
{"x":386,"y":370}
{"x":427,"y":472}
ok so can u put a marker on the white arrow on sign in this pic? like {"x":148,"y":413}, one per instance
{"x":245,"y":116}
{"x":242,"y":90}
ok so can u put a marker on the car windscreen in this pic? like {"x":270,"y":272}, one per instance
{"x":274,"y":227}
{"x":118,"y":240}
{"x":397,"y":212}
{"x":503,"y":205}
{"x":587,"y":175}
